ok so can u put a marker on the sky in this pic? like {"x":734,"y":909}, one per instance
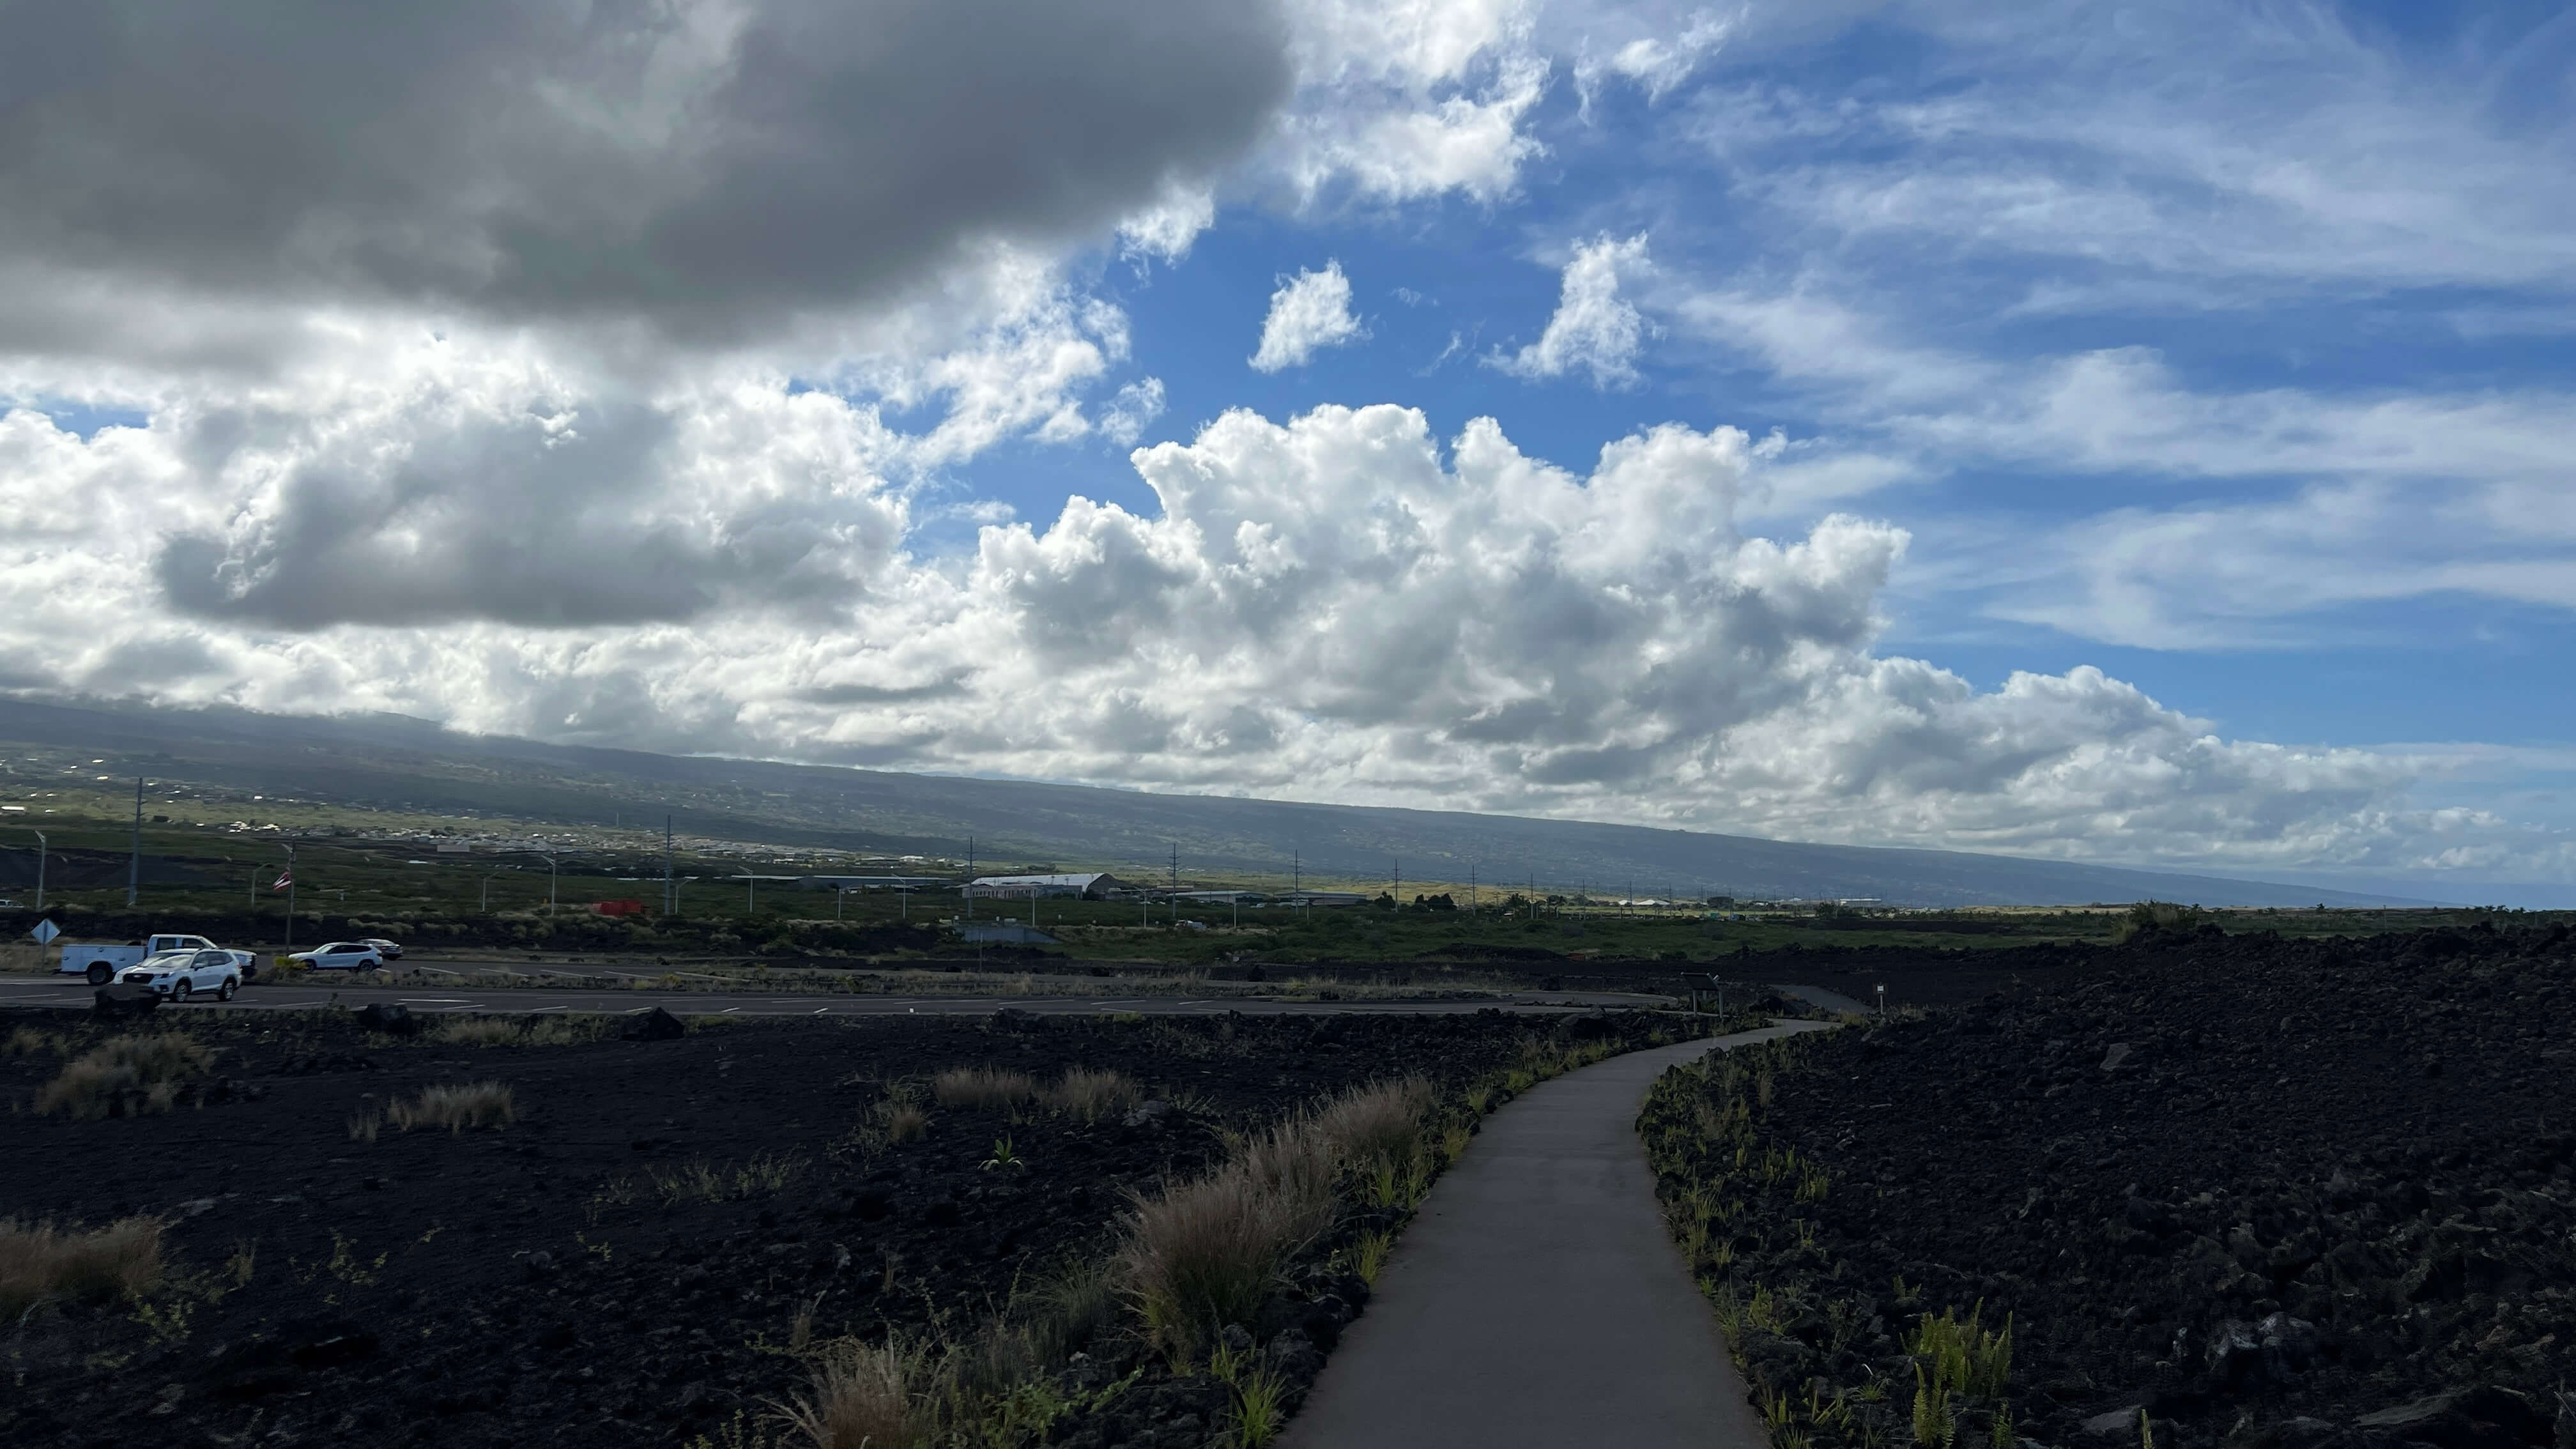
{"x":2121,"y":433}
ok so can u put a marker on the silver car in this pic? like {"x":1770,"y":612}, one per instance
{"x":341,"y":956}
{"x":182,"y":974}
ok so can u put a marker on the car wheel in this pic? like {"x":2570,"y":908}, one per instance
{"x":369,"y":964}
{"x":178,"y":990}
{"x":225,"y":992}
{"x":99,"y":973}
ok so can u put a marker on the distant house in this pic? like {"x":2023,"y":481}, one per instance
{"x":1023,"y":887}
{"x":1324,"y":898}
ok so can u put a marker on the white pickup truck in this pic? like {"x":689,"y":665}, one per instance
{"x":101,"y":963}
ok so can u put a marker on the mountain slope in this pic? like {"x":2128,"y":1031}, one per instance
{"x":391,"y":762}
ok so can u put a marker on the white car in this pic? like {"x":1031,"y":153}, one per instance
{"x":102,"y":963}
{"x":390,"y":950}
{"x":181,"y":974}
{"x":341,"y":956}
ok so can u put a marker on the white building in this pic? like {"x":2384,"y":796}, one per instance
{"x":1022,"y":887}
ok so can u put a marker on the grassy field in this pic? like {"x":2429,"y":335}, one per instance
{"x":211,"y":858}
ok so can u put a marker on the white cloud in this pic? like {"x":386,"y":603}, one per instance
{"x":1325,"y":608}
{"x":1593,"y":329}
{"x":1411,"y":99}
{"x":1310,"y":311}
{"x":1655,"y":64}
{"x":1132,"y":410}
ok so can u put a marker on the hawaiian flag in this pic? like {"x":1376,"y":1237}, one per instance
{"x":285,"y":878}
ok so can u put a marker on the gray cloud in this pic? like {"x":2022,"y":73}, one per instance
{"x":573,"y":519}
{"x":708,"y":168}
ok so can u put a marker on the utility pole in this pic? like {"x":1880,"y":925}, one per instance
{"x":968,"y":890}
{"x":750,"y":893}
{"x":290,"y":896}
{"x":134,"y":868}
{"x":1533,"y":895}
{"x":1176,"y":883}
{"x":1471,"y":890}
{"x":1398,"y":892}
{"x":486,"y":906}
{"x":670,"y":885}
{"x":40,"y":868}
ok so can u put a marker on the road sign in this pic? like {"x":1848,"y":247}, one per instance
{"x":45,"y":933}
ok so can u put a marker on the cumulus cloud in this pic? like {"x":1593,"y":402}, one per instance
{"x":1593,"y":329}
{"x":1336,"y":606}
{"x":706,"y":167}
{"x":1310,"y":311}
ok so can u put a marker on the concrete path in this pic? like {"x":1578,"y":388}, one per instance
{"x":1537,"y":1301}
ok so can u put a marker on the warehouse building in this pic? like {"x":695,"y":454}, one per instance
{"x":1023,"y":887}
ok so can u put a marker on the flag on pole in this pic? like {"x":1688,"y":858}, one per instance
{"x":285,"y":878}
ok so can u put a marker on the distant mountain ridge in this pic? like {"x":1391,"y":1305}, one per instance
{"x":393,"y":761}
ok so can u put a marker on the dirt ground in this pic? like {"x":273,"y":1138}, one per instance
{"x":2275,"y":1195}
{"x":625,"y":1262}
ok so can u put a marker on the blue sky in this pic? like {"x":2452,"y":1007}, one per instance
{"x":2433,"y":665}
{"x":2104,"y":431}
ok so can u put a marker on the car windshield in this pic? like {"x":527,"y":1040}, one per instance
{"x":168,"y":960}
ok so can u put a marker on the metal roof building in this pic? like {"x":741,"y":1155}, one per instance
{"x":1022,"y":887}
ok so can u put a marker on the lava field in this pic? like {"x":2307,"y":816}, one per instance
{"x":2223,"y":1189}
{"x":627,"y":1261}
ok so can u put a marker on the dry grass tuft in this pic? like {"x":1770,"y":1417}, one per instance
{"x":39,"y":1264}
{"x":902,"y":1119}
{"x":126,"y":1077}
{"x":26,"y":1041}
{"x":501,"y":1031}
{"x":1376,"y":1127}
{"x":457,"y":1107}
{"x":1206,"y":1253}
{"x":867,"y":1398}
{"x":1092,"y":1095}
{"x":982,"y":1087}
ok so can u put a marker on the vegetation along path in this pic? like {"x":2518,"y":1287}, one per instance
{"x":1537,"y":1300}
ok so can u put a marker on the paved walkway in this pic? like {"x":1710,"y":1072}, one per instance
{"x":1537,"y":1301}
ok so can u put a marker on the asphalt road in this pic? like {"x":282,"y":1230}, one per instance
{"x":70,"y":992}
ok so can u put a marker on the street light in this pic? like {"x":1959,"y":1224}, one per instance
{"x":40,"y":865}
{"x":750,"y":892}
{"x":485,"y":905}
{"x":290,"y":896}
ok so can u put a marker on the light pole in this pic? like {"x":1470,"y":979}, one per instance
{"x":40,"y":865}
{"x":485,"y":906}
{"x":840,"y":893}
{"x":750,"y":892}
{"x":290,"y":896}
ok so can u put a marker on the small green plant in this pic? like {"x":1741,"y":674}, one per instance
{"x":1004,"y":1157}
{"x":1934,"y":1424}
{"x":1369,"y":1255}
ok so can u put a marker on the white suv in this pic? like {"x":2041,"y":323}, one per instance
{"x":341,"y":956}
{"x":181,"y":974}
